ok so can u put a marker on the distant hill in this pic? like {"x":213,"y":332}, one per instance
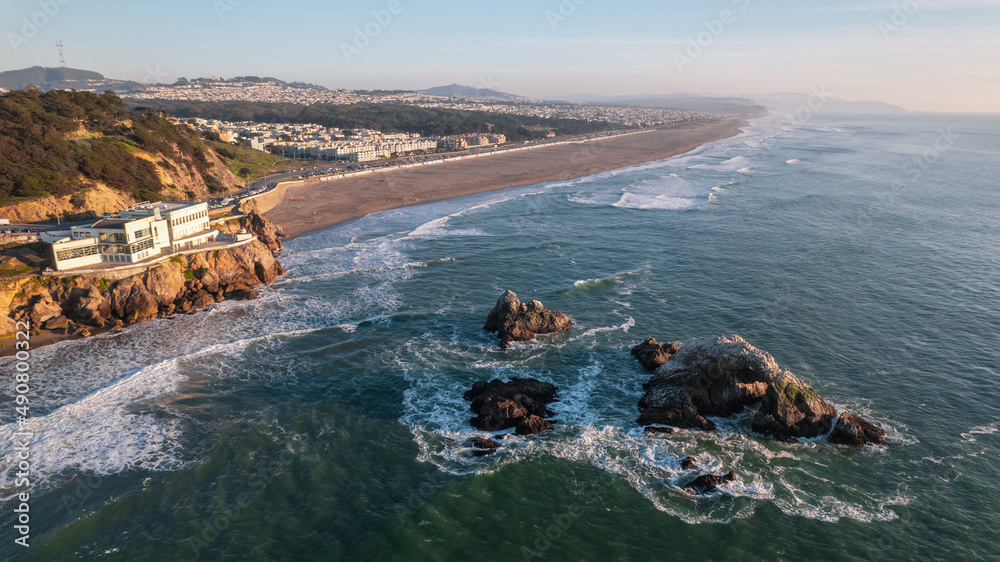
{"x":681,"y":102}
{"x":470,"y":93}
{"x":791,"y":102}
{"x":47,"y":78}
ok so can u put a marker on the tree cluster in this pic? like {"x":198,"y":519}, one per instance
{"x":51,"y":143}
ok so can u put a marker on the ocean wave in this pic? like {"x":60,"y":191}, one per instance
{"x":588,"y":284}
{"x":122,"y":426}
{"x":660,"y":202}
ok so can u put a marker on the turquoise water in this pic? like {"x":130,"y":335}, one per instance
{"x":325,"y":421}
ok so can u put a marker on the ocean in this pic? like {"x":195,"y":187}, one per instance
{"x":325,"y":421}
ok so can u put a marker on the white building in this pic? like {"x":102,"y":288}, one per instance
{"x":142,"y":232}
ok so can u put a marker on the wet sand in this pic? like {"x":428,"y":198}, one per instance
{"x":316,"y":206}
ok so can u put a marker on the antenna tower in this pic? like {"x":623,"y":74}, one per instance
{"x":62,"y":59}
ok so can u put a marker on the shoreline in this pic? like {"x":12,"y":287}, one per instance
{"x":310,"y":207}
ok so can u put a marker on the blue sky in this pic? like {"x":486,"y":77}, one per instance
{"x":932,"y":55}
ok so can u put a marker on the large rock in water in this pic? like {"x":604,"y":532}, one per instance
{"x":792,"y":409}
{"x":709,"y":482}
{"x":857,"y":431}
{"x":720,"y":376}
{"x":651,"y":353}
{"x":513,"y":320}
{"x":520,"y":403}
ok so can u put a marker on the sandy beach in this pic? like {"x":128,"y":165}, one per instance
{"x":316,"y":206}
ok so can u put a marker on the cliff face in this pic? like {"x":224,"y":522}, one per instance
{"x":178,"y":175}
{"x":186,"y":283}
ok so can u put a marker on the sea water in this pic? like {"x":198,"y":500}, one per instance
{"x":326,"y":421}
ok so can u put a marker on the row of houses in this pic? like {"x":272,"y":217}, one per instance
{"x":357,"y":151}
{"x":141,"y":232}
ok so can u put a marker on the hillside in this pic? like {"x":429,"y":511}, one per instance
{"x":66,"y":152}
{"x":470,"y":93}
{"x":49,"y":78}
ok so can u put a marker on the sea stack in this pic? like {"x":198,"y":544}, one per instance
{"x":513,"y":320}
{"x":520,"y":403}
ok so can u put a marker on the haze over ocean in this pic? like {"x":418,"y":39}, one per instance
{"x":327,"y":417}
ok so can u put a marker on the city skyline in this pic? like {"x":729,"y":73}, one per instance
{"x":925,"y":55}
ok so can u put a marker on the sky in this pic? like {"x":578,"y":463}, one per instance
{"x":926,"y":55}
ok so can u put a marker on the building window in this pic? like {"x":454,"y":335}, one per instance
{"x":74,"y":253}
{"x":113,"y":237}
{"x":141,"y":245}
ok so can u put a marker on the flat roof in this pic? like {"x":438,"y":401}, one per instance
{"x":109,"y":223}
{"x":168,"y":205}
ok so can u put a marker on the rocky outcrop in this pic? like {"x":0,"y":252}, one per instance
{"x":484,"y":446}
{"x":185,"y":283}
{"x":532,"y":424}
{"x":266,"y":231}
{"x":856,"y":431}
{"x":791,"y":408}
{"x":520,"y":403}
{"x":709,"y":482}
{"x":720,"y":376}
{"x":513,"y":320}
{"x":651,"y":353}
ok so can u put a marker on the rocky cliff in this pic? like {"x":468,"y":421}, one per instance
{"x":185,"y":283}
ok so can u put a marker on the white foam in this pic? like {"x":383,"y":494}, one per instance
{"x":658,"y":202}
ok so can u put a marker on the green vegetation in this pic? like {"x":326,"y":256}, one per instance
{"x":102,"y":284}
{"x":40,"y":159}
{"x":245,"y":162}
{"x":176,"y":259}
{"x":189,"y":274}
{"x":383,"y":117}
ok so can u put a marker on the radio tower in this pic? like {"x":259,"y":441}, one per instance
{"x":62,"y":59}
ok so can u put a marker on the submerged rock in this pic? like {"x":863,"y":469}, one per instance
{"x":709,"y":482}
{"x":513,"y":320}
{"x":651,"y":353}
{"x":519,"y":403}
{"x":720,"y":376}
{"x":657,"y":431}
{"x":484,"y":446}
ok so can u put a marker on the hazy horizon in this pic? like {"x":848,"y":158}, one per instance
{"x":923,"y":55}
